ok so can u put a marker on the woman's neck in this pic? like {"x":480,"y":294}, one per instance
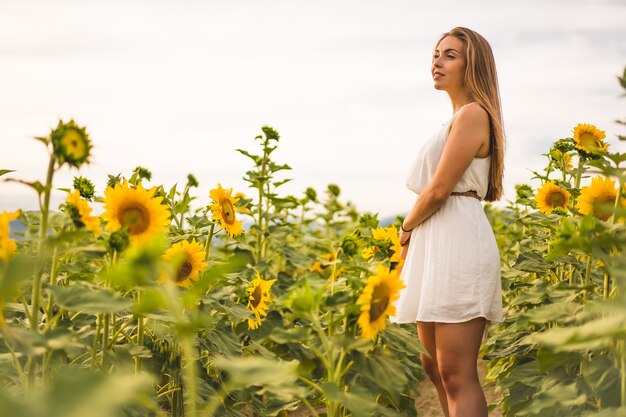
{"x":459,"y":99}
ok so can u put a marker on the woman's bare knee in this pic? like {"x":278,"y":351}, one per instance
{"x":430,"y":366}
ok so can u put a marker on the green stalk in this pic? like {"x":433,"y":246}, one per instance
{"x":579,"y":172}
{"x":96,"y":338}
{"x":140,"y":335}
{"x":207,"y":244}
{"x":623,"y":372}
{"x":43,"y":232}
{"x":587,"y":278}
{"x":189,"y":376}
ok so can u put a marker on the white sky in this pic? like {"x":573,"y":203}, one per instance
{"x":176,"y":86}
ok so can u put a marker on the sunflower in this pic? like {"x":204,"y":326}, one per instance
{"x":328,"y":260}
{"x":224,"y":209}
{"x":551,"y":196}
{"x":7,"y":245}
{"x":70,"y":144}
{"x":598,"y":198}
{"x":377,"y":299}
{"x":190,"y":258}
{"x":136,"y":211}
{"x":589,"y":139}
{"x":259,"y":296}
{"x":80,"y":212}
{"x":385,"y":234}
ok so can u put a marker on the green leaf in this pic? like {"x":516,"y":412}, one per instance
{"x":358,"y":400}
{"x":89,"y":300}
{"x":5,"y":171}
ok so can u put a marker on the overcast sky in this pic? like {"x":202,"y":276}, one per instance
{"x":176,"y":86}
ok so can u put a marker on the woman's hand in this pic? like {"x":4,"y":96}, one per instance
{"x":405,"y":237}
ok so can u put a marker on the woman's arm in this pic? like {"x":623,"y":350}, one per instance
{"x":468,"y":135}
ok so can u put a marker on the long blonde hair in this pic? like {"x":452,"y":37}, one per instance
{"x":481,"y":82}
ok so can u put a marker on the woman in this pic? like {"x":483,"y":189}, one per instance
{"x":452,"y":265}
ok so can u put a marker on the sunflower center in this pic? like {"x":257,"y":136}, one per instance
{"x":228,"y":211}
{"x":74,"y":144}
{"x":380,"y":302}
{"x":184,"y":270}
{"x":603,"y":206}
{"x":588,"y":140}
{"x":557,"y":200}
{"x":257,"y":296}
{"x":135,"y":218}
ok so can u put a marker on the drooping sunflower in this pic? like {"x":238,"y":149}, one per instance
{"x":588,"y":138}
{"x":70,"y":144}
{"x":377,"y":299}
{"x":80,"y":212}
{"x":551,"y":196}
{"x":598,"y":198}
{"x":259,"y":295}
{"x":7,"y":245}
{"x":190,"y":257}
{"x":390,"y":235}
{"x":136,"y":210}
{"x":224,"y":210}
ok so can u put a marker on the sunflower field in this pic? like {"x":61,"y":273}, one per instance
{"x":190,"y":301}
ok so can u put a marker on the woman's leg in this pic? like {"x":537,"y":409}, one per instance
{"x":426,"y":334}
{"x":457,"y":347}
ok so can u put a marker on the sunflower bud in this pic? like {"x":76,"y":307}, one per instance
{"x":118,"y":240}
{"x":84,"y":187}
{"x":192,"y":181}
{"x":311,"y":194}
{"x":350,"y":245}
{"x":334,"y":190}
{"x":70,"y":144}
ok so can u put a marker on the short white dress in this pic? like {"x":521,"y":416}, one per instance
{"x":452,"y":268}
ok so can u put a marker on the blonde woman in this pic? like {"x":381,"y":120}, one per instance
{"x":452,"y":265}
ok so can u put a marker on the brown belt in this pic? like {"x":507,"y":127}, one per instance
{"x":467,"y":194}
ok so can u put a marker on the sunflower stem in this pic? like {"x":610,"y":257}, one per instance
{"x":140,"y":334}
{"x":579,"y":172}
{"x":587,"y":278}
{"x":36,"y":293}
{"x":189,"y":376}
{"x":207,"y":244}
{"x":623,"y":371}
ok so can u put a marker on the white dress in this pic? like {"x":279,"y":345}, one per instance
{"x":452,"y":268}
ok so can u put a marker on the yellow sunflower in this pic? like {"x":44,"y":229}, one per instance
{"x":377,"y":299}
{"x":259,"y":295}
{"x":589,"y":138}
{"x":389,"y":234}
{"x":80,"y":212}
{"x":551,"y":196}
{"x":70,"y":144}
{"x":598,"y":198}
{"x":7,"y":245}
{"x":567,"y":162}
{"x":224,"y":209}
{"x":190,"y":257}
{"x":320,"y":266}
{"x":135,"y":210}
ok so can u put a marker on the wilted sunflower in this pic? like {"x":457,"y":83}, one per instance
{"x":259,"y":296}
{"x":598,"y":198}
{"x":589,"y":139}
{"x":80,"y":212}
{"x":7,"y":245}
{"x":191,"y":262}
{"x":70,"y":144}
{"x":377,"y":299}
{"x":224,"y":209}
{"x":136,"y":211}
{"x":389,"y":234}
{"x":551,"y":196}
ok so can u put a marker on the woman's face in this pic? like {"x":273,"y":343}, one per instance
{"x":448,"y":67}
